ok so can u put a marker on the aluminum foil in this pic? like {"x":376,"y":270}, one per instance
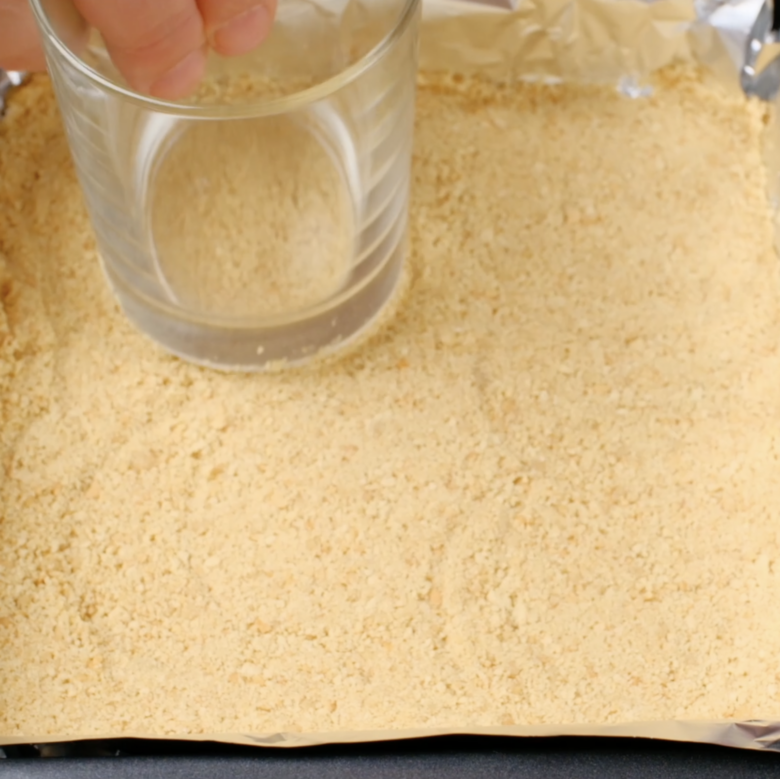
{"x":619,"y":41}
{"x":593,"y":40}
{"x":8,"y":80}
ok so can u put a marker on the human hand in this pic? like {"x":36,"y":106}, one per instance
{"x":159,"y":46}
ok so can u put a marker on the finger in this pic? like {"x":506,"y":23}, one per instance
{"x":20,"y":46}
{"x":235,"y":27}
{"x":159,"y":46}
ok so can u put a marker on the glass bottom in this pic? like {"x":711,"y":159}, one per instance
{"x":267,"y":346}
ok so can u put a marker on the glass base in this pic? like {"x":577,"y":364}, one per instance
{"x":271,"y":345}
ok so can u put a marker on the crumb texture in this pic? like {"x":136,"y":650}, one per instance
{"x":547,"y":492}
{"x":248,"y":214}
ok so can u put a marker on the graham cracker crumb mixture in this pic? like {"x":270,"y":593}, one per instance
{"x":547,"y":492}
{"x":251,"y":211}
{"x":226,"y":85}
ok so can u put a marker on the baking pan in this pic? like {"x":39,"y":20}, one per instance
{"x":730,"y":39}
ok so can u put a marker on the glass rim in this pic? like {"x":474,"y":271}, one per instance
{"x":259,"y":108}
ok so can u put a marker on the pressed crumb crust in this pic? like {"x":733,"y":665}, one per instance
{"x":547,"y":492}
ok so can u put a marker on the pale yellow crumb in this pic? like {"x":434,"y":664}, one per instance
{"x":270,"y":235}
{"x":546,"y":491}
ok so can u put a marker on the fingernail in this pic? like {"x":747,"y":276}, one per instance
{"x":242,"y":34}
{"x":182,"y":79}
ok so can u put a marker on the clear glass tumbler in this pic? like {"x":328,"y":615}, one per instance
{"x":263,"y":221}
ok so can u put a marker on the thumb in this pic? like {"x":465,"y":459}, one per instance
{"x":159,"y":46}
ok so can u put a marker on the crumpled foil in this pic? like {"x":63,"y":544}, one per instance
{"x":619,"y":41}
{"x":8,"y":81}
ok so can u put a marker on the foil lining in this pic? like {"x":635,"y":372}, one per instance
{"x":755,"y":735}
{"x":618,"y":41}
{"x":8,"y":80}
